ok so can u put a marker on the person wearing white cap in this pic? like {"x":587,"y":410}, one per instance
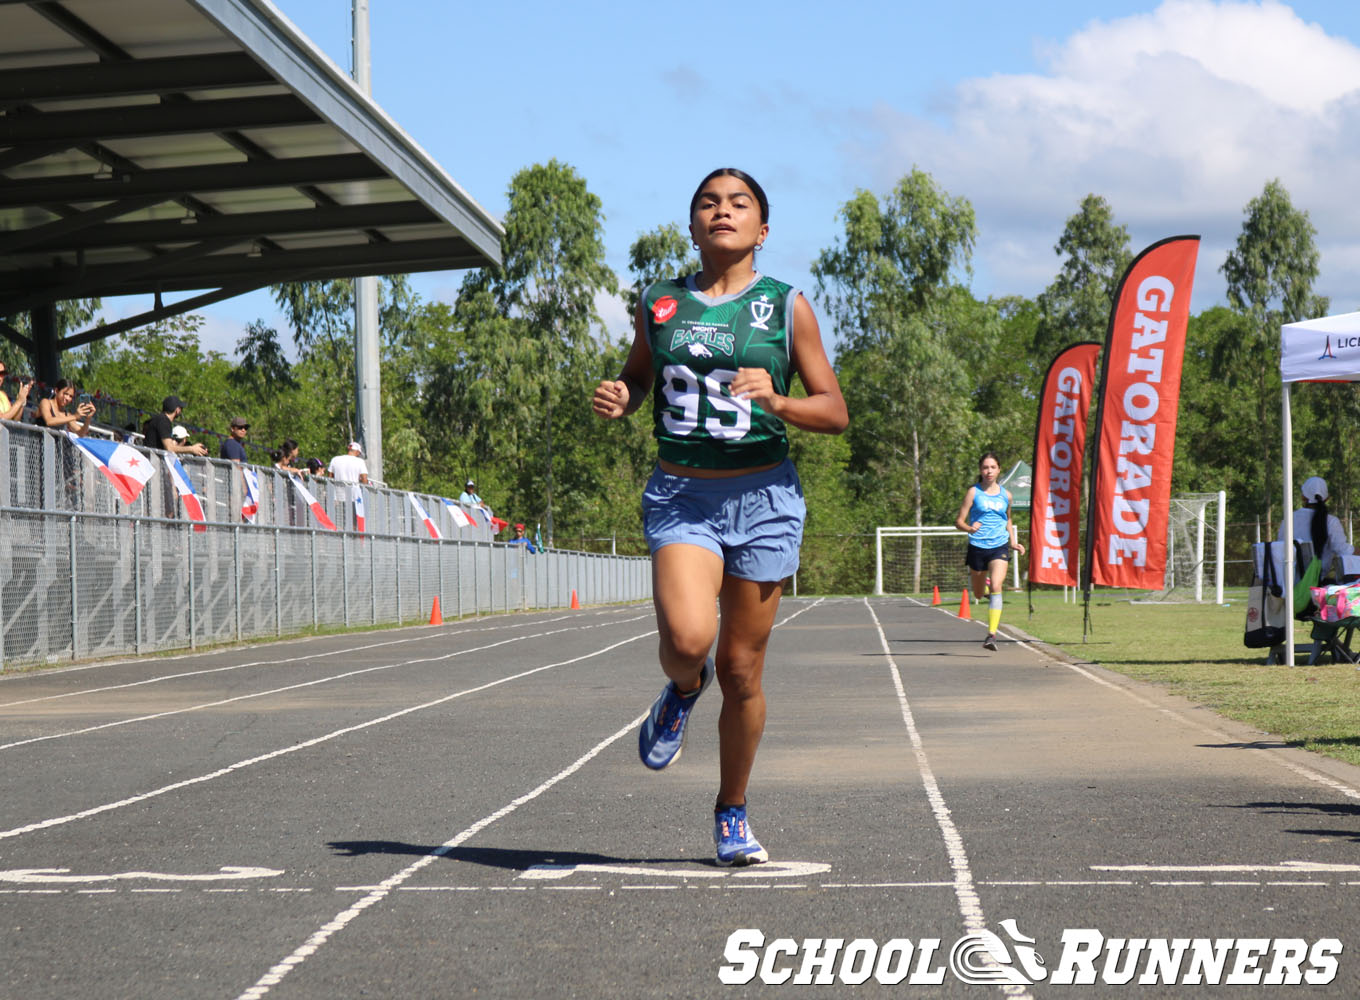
{"x":350,"y":467}
{"x":1313,"y":523}
{"x":469,"y":498}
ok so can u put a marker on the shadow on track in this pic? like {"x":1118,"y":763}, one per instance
{"x":497,"y":857}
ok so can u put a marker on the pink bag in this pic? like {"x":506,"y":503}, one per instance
{"x":1337,"y":601}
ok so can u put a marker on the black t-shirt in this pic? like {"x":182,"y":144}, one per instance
{"x":157,"y":431}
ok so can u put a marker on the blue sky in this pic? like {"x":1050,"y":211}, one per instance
{"x":1177,"y":113}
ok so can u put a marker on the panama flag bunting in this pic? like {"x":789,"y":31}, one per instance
{"x":318,"y":511}
{"x":185,"y":488}
{"x":430,"y":526}
{"x":358,"y":509}
{"x":456,"y":512}
{"x":250,"y":504}
{"x":126,"y":467}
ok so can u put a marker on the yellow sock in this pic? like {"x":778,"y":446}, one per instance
{"x":993,"y":612}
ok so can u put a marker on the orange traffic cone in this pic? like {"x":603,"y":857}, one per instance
{"x":936,"y":598}
{"x":963,"y":607}
{"x":436,"y":618}
{"x":575,"y":604}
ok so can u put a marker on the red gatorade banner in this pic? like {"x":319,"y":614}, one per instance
{"x":1136,"y":430}
{"x":1059,"y":446}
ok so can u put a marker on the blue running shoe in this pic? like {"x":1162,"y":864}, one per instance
{"x":662,"y":735}
{"x":737,"y":845}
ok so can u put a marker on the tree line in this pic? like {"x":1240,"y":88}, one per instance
{"x":496,"y":386}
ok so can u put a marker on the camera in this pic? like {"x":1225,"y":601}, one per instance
{"x":84,"y":398}
{"x":25,"y":379}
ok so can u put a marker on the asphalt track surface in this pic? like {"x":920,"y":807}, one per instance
{"x":459,"y":811}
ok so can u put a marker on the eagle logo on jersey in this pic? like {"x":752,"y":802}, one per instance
{"x":761,"y":312}
{"x":664,"y":308}
{"x":699,"y":351}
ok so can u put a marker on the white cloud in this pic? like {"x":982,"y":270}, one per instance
{"x":613,"y":311}
{"x":1178,"y":117}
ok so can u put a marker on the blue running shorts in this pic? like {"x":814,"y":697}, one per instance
{"x":753,"y":522}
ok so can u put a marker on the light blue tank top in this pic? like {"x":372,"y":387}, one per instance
{"x":993,"y":512}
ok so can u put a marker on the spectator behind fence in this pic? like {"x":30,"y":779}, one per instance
{"x":316,"y":467}
{"x":180,"y":434}
{"x":1313,"y":524}
{"x":469,"y":497}
{"x":13,"y":410}
{"x":521,"y":539}
{"x":285,"y":455}
{"x":350,"y":467}
{"x":52,"y":412}
{"x":233,"y":446}
{"x":158,"y":431}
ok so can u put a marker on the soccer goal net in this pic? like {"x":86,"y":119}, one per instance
{"x":1194,"y":549}
{"x":912,"y":560}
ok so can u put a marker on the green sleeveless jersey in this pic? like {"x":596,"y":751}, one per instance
{"x":698,"y":343}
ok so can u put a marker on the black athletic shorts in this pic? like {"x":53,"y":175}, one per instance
{"x":979,"y":559}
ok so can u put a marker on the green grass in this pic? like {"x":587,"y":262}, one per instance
{"x":1196,"y":651}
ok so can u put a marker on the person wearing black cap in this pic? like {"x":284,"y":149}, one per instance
{"x":233,"y":446}
{"x":158,"y":432}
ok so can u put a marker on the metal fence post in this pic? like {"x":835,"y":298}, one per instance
{"x":278,"y":585}
{"x":136,"y":589}
{"x":75,"y":594}
{"x":491,"y":577}
{"x":373,"y":576}
{"x":193,"y":591}
{"x":344,"y":576}
{"x":236,"y":581}
{"x":396,"y":563}
{"x":316,"y":617}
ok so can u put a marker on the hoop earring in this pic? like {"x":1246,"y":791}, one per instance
{"x":760,"y":246}
{"x":695,"y":245}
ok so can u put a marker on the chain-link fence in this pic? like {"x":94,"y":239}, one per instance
{"x":86,"y":580}
{"x":44,"y":470}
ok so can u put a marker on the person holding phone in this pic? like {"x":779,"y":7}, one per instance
{"x":13,"y":410}
{"x":52,"y":412}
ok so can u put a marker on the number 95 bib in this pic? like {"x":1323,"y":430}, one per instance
{"x":698,"y":342}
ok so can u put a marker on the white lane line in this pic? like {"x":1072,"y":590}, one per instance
{"x":1349,"y":791}
{"x":965,"y":892}
{"x":772,"y":886}
{"x":253,"y":663}
{"x":307,"y":744}
{"x":338,"y":923}
{"x":1283,"y":866}
{"x":303,"y":684}
{"x":899,"y":885}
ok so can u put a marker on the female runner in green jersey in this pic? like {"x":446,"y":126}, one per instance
{"x":723,"y":511}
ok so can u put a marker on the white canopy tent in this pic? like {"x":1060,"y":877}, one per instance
{"x":1315,"y":350}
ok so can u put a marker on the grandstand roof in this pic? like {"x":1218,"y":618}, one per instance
{"x":151,"y":146}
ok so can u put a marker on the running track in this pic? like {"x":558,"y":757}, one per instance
{"x":459,"y":811}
